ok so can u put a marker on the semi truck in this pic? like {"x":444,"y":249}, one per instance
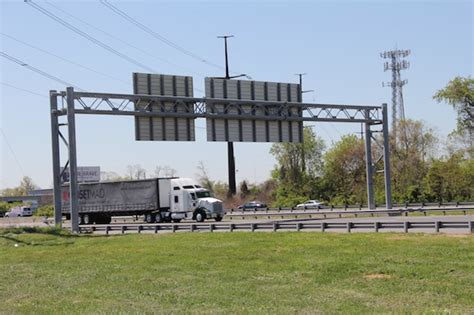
{"x":156,"y":199}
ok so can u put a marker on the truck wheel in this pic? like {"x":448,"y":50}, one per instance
{"x":86,"y":219}
{"x":158,"y":218}
{"x":149,"y":218}
{"x":200,"y":216}
{"x":218,"y":219}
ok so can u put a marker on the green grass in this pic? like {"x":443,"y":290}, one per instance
{"x":50,"y":272}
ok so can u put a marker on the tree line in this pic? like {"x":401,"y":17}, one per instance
{"x":423,"y":169}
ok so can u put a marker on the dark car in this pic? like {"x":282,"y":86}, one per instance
{"x":252,"y":205}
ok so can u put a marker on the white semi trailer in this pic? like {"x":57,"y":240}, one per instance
{"x":157,"y":199}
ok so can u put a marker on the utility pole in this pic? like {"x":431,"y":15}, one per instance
{"x":396,"y":64}
{"x":300,"y":75}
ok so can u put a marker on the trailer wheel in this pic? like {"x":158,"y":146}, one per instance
{"x":200,"y":216}
{"x":158,"y":218}
{"x":86,"y":219}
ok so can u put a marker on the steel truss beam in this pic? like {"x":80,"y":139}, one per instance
{"x":124,"y":104}
{"x":73,"y":103}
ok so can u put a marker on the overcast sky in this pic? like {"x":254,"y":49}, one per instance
{"x":337,"y":44}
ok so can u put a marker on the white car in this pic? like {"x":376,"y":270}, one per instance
{"x":310,"y":204}
{"x":20,"y":211}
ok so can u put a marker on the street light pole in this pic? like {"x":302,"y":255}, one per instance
{"x":230,"y":145}
{"x":300,"y":75}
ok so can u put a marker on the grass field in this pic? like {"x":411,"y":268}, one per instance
{"x":236,"y":273}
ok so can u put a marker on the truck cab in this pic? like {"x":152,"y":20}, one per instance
{"x":191,"y":201}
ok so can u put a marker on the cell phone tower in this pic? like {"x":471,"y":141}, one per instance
{"x":396,"y":64}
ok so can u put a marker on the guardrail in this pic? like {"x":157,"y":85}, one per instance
{"x":405,"y":226}
{"x":405,"y":205}
{"x":254,"y":214}
{"x":315,"y":213}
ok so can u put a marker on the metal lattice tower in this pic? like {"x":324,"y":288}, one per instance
{"x":396,"y":64}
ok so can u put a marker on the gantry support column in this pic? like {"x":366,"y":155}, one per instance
{"x":73,"y":186}
{"x":53,"y":97}
{"x":368,"y":163}
{"x":386,"y":158}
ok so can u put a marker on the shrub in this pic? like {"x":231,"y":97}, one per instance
{"x":44,"y":211}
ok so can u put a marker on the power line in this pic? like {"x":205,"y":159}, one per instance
{"x":41,"y":72}
{"x":13,"y":152}
{"x":122,"y":41}
{"x":64,"y":59}
{"x":158,"y":36}
{"x":87,"y":36}
{"x":22,"y":89}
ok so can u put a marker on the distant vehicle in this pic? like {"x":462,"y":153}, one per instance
{"x":20,"y":211}
{"x":157,"y":199}
{"x":310,"y":204}
{"x":253,"y":205}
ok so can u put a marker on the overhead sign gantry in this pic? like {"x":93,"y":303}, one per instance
{"x":164,"y":110}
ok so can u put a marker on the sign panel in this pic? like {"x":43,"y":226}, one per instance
{"x":85,"y":174}
{"x":163,"y":128}
{"x":253,"y":127}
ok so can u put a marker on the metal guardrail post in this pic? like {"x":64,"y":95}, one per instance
{"x":231,"y":227}
{"x":139,"y":229}
{"x":437,"y":226}
{"x":298,"y":227}
{"x":107,"y":230}
{"x":376,"y":226}
{"x":405,"y":226}
{"x":173,"y":228}
{"x":211,"y":227}
{"x":191,"y":227}
{"x":323,"y":226}
{"x":252,"y":227}
{"x":275,"y":227}
{"x":471,"y":226}
{"x":123,"y":229}
{"x":348,"y":227}
{"x":156,"y":228}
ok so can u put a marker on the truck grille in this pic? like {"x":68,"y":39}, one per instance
{"x":217,"y":207}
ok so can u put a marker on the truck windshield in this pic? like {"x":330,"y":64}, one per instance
{"x":203,"y":194}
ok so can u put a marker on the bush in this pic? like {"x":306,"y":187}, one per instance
{"x":45,"y":211}
{"x":6,"y":206}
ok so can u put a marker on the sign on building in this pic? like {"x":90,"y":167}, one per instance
{"x":163,"y":128}
{"x":85,"y":174}
{"x":253,"y":122}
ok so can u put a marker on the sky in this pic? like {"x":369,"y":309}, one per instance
{"x":337,"y":44}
